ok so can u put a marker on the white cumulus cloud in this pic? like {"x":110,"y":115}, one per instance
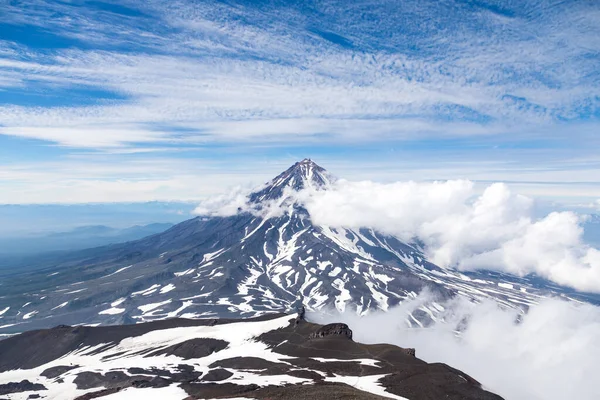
{"x":459,"y":227}
{"x":494,"y":230}
{"x":549,"y":353}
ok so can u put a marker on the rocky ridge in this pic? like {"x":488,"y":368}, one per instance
{"x":274,"y":357}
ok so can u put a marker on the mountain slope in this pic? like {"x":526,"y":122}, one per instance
{"x":278,"y":357}
{"x":249,"y":264}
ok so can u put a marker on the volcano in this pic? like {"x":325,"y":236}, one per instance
{"x":246,"y":265}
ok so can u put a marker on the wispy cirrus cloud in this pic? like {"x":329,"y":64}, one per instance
{"x":270,"y":64}
{"x":133,"y":77}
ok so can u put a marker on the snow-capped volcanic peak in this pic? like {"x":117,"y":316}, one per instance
{"x":250,"y":264}
{"x":302,"y":175}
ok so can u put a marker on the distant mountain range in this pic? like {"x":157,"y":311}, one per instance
{"x":247,"y":265}
{"x":21,"y":220}
{"x":79,"y":238}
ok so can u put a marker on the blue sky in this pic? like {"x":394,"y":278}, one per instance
{"x":104,"y":101}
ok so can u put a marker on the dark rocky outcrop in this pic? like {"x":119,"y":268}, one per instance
{"x":410,"y":352}
{"x":184,"y":373}
{"x":333,"y":330}
{"x":251,"y":363}
{"x":90,"y":380}
{"x":18,"y":387}
{"x":57,"y":371}
{"x":318,"y":391}
{"x":217,"y":390}
{"x":195,"y":348}
{"x":99,"y":393}
{"x":153,"y":382}
{"x":215,"y":375}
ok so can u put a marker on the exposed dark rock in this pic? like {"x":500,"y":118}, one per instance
{"x":154,"y":382}
{"x":251,"y":363}
{"x":306,"y":374}
{"x":90,"y":380}
{"x":186,"y":373}
{"x":119,"y":380}
{"x":195,"y":348}
{"x":18,"y":387}
{"x":331,"y":368}
{"x":113,"y":356}
{"x":410,"y":352}
{"x":99,"y":393}
{"x":434,"y":381}
{"x":318,"y":391}
{"x":215,"y":375}
{"x":333,"y":330}
{"x":216,"y":390}
{"x":55,"y":372}
{"x":301,"y":313}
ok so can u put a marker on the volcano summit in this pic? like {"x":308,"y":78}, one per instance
{"x":245,"y":265}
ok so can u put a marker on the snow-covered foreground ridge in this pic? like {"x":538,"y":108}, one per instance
{"x":270,"y":357}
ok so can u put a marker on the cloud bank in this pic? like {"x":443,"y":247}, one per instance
{"x":460,"y":228}
{"x":495,"y":230}
{"x":551,"y":354}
